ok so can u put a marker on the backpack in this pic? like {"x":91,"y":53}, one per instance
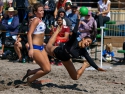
{"x":9,"y":42}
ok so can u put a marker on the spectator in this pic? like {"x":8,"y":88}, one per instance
{"x":32,"y":2}
{"x":64,"y":33}
{"x":108,"y":54}
{"x":10,"y":2}
{"x":103,"y":14}
{"x":28,"y":15}
{"x":22,"y":8}
{"x":60,"y":4}
{"x":21,"y":43}
{"x":88,"y":25}
{"x":66,"y":21}
{"x":73,"y":16}
{"x":68,"y":8}
{"x":2,"y":36}
{"x":49,"y":7}
{"x":27,"y":3}
{"x":11,"y":22}
{"x":1,"y":8}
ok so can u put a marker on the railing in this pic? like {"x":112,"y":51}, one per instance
{"x":116,"y":14}
{"x":118,"y":4}
{"x":117,"y":29}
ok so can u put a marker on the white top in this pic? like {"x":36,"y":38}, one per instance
{"x":104,"y":7}
{"x":40,"y":28}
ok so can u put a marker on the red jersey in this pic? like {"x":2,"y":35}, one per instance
{"x":62,"y":32}
{"x":59,"y":5}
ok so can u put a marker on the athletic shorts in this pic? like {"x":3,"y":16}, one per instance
{"x":38,"y":47}
{"x":61,"y":54}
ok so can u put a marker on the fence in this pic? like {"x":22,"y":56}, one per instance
{"x":117,"y":29}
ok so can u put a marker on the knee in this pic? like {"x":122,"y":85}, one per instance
{"x":47,"y":70}
{"x":100,"y":16}
{"x":27,"y":45}
{"x":44,"y":72}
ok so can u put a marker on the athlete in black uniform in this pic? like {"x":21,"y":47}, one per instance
{"x":72,"y":49}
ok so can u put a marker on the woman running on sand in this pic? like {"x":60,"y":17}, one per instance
{"x":36,"y":48}
{"x":72,"y":49}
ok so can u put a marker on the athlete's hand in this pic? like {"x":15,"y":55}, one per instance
{"x":100,"y":69}
{"x":78,"y":15}
{"x":52,"y":28}
{"x":30,"y":53}
{"x":59,"y":28}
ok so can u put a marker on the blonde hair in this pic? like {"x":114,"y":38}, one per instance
{"x":109,"y":47}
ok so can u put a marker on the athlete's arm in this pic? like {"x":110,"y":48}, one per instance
{"x":75,"y":30}
{"x":89,"y":59}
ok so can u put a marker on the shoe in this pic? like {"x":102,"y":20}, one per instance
{"x":20,"y":61}
{"x":27,"y":74}
{"x":59,"y":64}
{"x":52,"y":62}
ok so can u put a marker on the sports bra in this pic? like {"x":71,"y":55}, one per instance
{"x":40,"y":28}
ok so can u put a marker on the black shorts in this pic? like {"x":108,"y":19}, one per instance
{"x":61,"y":54}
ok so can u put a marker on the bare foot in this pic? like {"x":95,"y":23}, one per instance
{"x":26,"y":75}
{"x":42,"y":81}
{"x":100,"y":69}
{"x":86,"y":64}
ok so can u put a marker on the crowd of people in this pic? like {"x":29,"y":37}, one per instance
{"x":46,"y":30}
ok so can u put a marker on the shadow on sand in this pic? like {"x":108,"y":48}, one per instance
{"x":20,"y":84}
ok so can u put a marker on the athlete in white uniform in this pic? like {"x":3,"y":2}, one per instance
{"x":36,"y":51}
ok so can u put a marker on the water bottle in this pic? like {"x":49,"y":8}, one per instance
{"x":110,"y":57}
{"x":24,"y":60}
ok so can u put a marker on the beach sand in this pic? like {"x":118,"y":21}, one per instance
{"x":91,"y":82}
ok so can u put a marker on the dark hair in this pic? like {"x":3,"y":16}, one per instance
{"x":59,"y":18}
{"x":36,"y":6}
{"x":74,"y":5}
{"x":68,"y":3}
{"x":31,"y":17}
{"x":90,"y":36}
